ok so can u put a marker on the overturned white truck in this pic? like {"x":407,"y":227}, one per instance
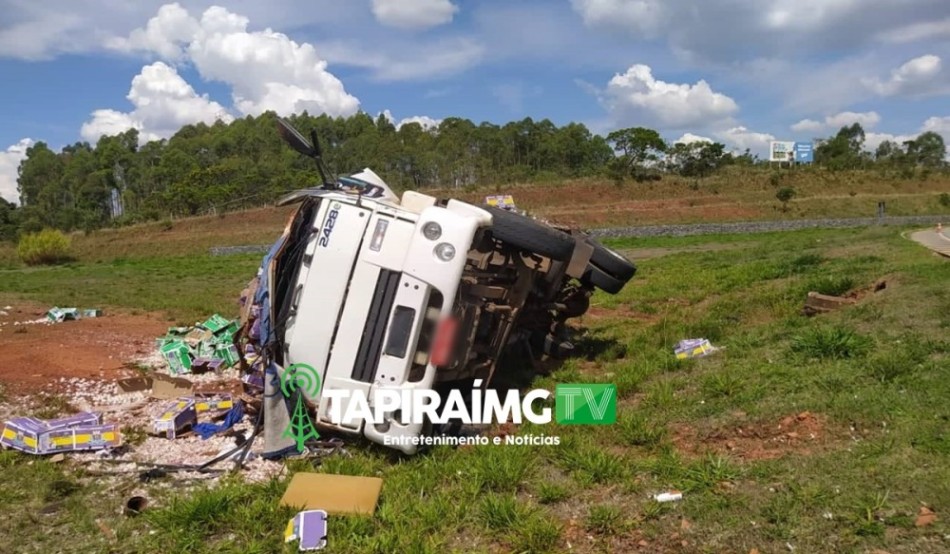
{"x":377,"y":292}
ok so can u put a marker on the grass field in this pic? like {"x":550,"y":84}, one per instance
{"x":825,"y":434}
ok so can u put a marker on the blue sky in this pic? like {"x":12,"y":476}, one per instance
{"x":737,"y":71}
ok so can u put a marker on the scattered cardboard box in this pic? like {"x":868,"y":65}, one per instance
{"x":178,"y":355}
{"x":693,"y":348}
{"x":207,"y":365}
{"x":310,"y":528}
{"x":336,"y":494}
{"x":503,"y":201}
{"x":183,"y":347}
{"x":176,"y":418}
{"x":83,"y":431}
{"x":213,"y":403}
{"x":59,"y":315}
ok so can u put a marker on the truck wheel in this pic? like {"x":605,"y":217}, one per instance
{"x":612,"y":263}
{"x":527,"y":234}
{"x":600,"y":279}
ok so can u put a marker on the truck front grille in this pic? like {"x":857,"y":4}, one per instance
{"x":371,"y":344}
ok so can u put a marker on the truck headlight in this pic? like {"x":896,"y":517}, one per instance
{"x":432,"y":230}
{"x":444,"y":251}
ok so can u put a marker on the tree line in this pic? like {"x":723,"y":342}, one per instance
{"x":219,"y":167}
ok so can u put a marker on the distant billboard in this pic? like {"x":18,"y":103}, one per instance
{"x":782,"y":151}
{"x":804,"y":152}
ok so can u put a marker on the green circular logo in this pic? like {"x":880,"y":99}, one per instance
{"x":302,"y":377}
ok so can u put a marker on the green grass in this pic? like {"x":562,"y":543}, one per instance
{"x":875,"y":373}
{"x":186,"y":289}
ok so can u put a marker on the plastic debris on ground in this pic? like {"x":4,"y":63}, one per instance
{"x":310,"y":528}
{"x":206,"y":347}
{"x":234,"y":415}
{"x":693,"y":348}
{"x":83,"y":431}
{"x":671,"y":496}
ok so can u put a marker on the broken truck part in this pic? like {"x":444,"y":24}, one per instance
{"x":378,"y":292}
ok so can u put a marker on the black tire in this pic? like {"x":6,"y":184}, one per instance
{"x":612,"y":263}
{"x":597,"y":277}
{"x":527,"y":234}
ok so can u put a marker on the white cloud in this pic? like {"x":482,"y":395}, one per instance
{"x":741,"y":138}
{"x":426,"y":122}
{"x":637,"y":97}
{"x":939,"y":125}
{"x":265,"y":69}
{"x":414,"y":14}
{"x":164,"y":34}
{"x":739,"y":30}
{"x":405,"y":61}
{"x":42,"y":30}
{"x":163,"y":103}
{"x":9,"y":163}
{"x":808,"y":126}
{"x":873,"y":140}
{"x":689,"y":138}
{"x":107,"y":122}
{"x":868,"y":120}
{"x":642,"y":17}
{"x":917,"y":76}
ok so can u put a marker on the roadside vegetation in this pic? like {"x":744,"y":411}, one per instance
{"x":214,"y":169}
{"x":824,"y":434}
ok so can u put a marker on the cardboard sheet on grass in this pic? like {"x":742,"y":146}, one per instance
{"x":336,"y":494}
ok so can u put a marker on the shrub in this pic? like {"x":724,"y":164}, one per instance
{"x":831,"y":342}
{"x":945,"y":200}
{"x":49,"y":246}
{"x":785,"y":194}
{"x":805,"y":262}
{"x":831,"y":285}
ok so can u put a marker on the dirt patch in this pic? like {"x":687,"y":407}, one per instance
{"x":35,"y":355}
{"x":803,"y":433}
